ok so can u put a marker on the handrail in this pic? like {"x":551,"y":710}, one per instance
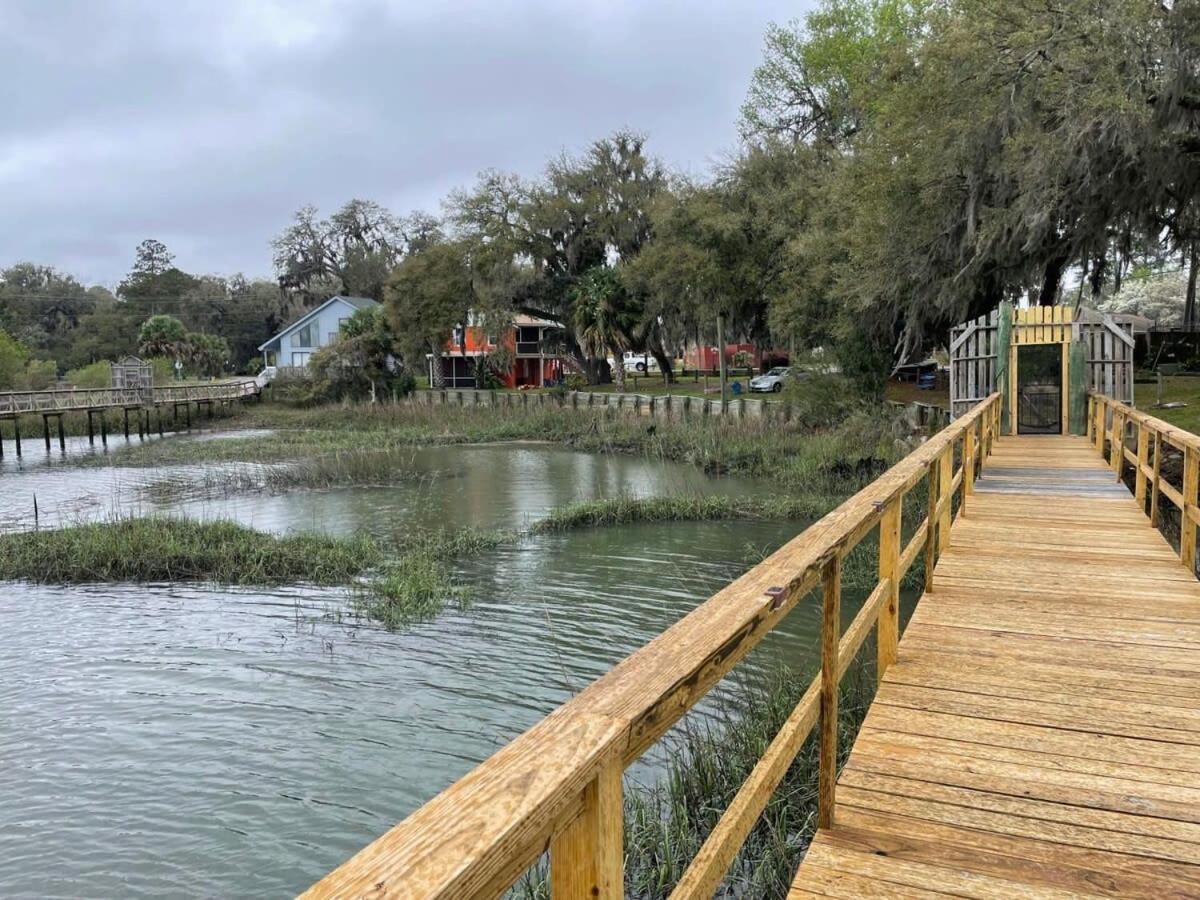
{"x":66,"y":399}
{"x":1110,"y":420}
{"x":557,"y":787}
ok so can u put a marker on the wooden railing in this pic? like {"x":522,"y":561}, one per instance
{"x":68,"y":399}
{"x":558,"y":786}
{"x":1113,"y":423}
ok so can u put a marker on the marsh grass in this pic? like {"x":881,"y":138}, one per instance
{"x":339,"y":468}
{"x":610,"y":511}
{"x":799,"y":458}
{"x":705,"y":764}
{"x":173,"y":549}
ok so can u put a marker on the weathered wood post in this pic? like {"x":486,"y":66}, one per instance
{"x":127,"y":423}
{"x":888,"y":630}
{"x":91,"y":429}
{"x":587,"y":858}
{"x":62,"y":437}
{"x":17,"y":434}
{"x":1091,"y":419}
{"x":831,"y":632}
{"x":46,"y":430}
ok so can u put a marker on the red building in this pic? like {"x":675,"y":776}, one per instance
{"x":709,"y":358}
{"x":536,"y":359}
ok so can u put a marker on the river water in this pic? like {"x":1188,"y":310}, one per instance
{"x":171,"y":740}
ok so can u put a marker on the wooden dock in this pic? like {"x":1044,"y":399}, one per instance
{"x":1035,"y":733}
{"x":1039,"y":733}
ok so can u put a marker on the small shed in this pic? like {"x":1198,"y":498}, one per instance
{"x":131,"y":373}
{"x":1045,"y":360}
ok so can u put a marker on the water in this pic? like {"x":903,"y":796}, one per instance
{"x":486,"y":486}
{"x":163,"y":740}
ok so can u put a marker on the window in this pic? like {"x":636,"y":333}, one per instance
{"x":300,"y":360}
{"x":306,"y":336}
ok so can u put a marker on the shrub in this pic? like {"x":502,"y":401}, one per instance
{"x":96,"y":375}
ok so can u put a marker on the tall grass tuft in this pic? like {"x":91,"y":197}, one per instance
{"x":418,"y":581}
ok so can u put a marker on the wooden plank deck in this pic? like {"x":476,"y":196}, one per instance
{"x":1039,"y":735}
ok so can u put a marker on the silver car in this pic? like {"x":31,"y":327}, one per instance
{"x":772,"y":382}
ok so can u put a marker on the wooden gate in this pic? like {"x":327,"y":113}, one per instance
{"x":1097,"y":357}
{"x":974,"y":373}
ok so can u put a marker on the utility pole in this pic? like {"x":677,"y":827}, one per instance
{"x":721,"y":356}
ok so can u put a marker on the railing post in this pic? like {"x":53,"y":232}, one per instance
{"x":831,"y":627}
{"x":1187,"y":526}
{"x":1098,"y":427}
{"x":1117,"y":443}
{"x":1143,"y":457}
{"x":968,"y":465}
{"x":931,"y":476}
{"x":587,"y":858}
{"x":887,"y":635}
{"x":1154,"y":484}
{"x":1091,"y":418}
{"x":945,"y":481}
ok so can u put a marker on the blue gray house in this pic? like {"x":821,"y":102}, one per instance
{"x":317,"y":328}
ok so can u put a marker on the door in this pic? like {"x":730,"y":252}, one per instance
{"x":1039,"y":389}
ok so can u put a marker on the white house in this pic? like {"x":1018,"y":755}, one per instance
{"x":294,"y":345}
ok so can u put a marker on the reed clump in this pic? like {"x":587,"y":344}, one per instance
{"x":622,"y":510}
{"x":176,"y":549}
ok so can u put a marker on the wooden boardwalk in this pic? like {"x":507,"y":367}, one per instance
{"x":1039,"y":733}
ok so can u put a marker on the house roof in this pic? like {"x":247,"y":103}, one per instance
{"x":523,"y":319}
{"x":356,"y":302}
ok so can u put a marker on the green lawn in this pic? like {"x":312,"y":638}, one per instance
{"x":1175,"y":388}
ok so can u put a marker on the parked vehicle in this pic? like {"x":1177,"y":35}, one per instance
{"x":641,"y":363}
{"x":772,"y":382}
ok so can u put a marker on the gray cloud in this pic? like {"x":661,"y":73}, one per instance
{"x":206,"y":124}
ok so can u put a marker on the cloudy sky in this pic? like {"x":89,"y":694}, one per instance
{"x":206,"y":124}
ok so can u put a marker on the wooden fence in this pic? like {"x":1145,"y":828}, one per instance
{"x":678,"y":406}
{"x":558,"y":786}
{"x":1111,"y":426}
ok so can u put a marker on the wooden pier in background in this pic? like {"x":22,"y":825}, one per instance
{"x":1035,"y":733}
{"x":54,"y":404}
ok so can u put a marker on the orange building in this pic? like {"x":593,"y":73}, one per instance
{"x":536,"y":358}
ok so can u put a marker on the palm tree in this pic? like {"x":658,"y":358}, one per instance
{"x":604,"y":321}
{"x":162,"y":336}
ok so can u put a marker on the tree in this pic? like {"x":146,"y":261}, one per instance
{"x":13,"y":357}
{"x":604,"y":318}
{"x":151,"y":259}
{"x":530,"y":243}
{"x":153,"y":278}
{"x":206,"y":354}
{"x":162,"y":336}
{"x":428,"y":296}
{"x":351,"y":252}
{"x":362,"y":361}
